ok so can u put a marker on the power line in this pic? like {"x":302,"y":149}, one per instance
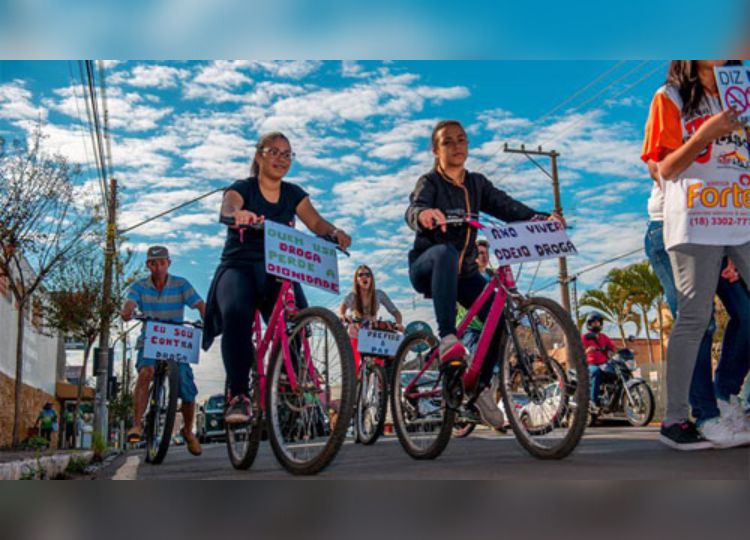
{"x":560,"y":105}
{"x":590,"y":100}
{"x":157,"y":216}
{"x":589,"y":268}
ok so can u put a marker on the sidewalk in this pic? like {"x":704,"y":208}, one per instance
{"x":45,"y":464}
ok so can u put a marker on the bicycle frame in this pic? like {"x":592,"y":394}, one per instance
{"x":275,"y":336}
{"x":502,"y":281}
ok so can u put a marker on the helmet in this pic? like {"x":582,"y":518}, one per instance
{"x":594,"y":316}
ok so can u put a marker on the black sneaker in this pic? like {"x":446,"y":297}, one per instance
{"x":683,"y":436}
{"x":238,"y":411}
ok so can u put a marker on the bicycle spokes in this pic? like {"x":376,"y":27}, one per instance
{"x":544,"y":378}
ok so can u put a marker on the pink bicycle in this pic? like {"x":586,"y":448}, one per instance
{"x":306,"y":396}
{"x":543,"y":374}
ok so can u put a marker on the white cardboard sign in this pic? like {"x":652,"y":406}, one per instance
{"x":529,"y":241}
{"x":734,"y":89}
{"x":378,"y":342}
{"x":164,"y":341}
{"x":296,"y":256}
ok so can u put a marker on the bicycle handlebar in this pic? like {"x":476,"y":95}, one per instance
{"x":194,"y":324}
{"x":226,"y":220}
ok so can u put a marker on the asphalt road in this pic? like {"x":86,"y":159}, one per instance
{"x":605,"y":453}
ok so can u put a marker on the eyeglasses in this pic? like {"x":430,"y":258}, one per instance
{"x":275,"y":152}
{"x":364,"y":274}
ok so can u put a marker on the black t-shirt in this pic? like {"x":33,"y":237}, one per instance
{"x":250,"y":251}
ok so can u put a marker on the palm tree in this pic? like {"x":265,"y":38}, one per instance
{"x":614,"y":306}
{"x":642,"y":289}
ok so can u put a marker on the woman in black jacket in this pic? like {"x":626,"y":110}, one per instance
{"x":442,"y":264}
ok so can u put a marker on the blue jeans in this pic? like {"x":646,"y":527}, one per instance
{"x":595,"y":376}
{"x":733,"y":365}
{"x":435,"y":274}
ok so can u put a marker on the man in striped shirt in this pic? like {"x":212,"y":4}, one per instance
{"x":162,"y":296}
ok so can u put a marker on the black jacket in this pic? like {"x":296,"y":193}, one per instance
{"x":476,"y":195}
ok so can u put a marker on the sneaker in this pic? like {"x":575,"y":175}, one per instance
{"x":488,"y":410}
{"x":683,"y":436}
{"x":452,"y":351}
{"x":735,"y":414}
{"x":720,"y":432}
{"x":238,"y":411}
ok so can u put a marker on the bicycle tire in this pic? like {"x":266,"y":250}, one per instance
{"x":243,"y":458}
{"x":157,"y":445}
{"x":371,"y":437}
{"x":337,"y":433}
{"x":443,"y":435}
{"x":577,"y":419}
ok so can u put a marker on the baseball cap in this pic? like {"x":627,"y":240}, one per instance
{"x":157,"y":252}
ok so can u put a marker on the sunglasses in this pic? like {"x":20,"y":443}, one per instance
{"x":364,"y":274}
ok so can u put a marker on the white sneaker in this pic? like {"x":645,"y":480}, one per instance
{"x":488,"y":409}
{"x":721,"y":433}
{"x":734,"y":412}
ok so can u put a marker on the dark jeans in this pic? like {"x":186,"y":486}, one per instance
{"x":735,"y":352}
{"x":435,"y":274}
{"x":239,"y":293}
{"x":595,"y":377}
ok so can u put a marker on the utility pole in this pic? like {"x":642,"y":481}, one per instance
{"x":101,"y":423}
{"x":553,"y":155}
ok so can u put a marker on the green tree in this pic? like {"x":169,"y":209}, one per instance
{"x":643,"y":289}
{"x":42,"y":226}
{"x":612,"y":303}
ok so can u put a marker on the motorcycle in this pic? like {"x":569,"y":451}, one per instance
{"x":623,"y":394}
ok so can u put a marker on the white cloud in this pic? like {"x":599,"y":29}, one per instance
{"x":16,"y":103}
{"x":151,"y":76}
{"x":292,"y":69}
{"x":126,"y":111}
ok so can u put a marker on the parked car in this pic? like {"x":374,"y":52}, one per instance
{"x":210,"y":419}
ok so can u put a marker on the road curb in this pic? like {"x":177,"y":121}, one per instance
{"x":42,"y":467}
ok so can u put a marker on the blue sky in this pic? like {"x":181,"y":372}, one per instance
{"x":361,"y":133}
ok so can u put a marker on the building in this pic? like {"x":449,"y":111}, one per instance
{"x":43,"y":367}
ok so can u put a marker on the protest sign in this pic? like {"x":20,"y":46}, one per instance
{"x":299,"y":257}
{"x":529,"y":241}
{"x":164,"y":341}
{"x":734,"y":89}
{"x":378,"y":342}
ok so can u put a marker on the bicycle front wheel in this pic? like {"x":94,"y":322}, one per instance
{"x":162,"y":409}
{"x":371,"y":403}
{"x":243,"y":440}
{"x":544,"y":379}
{"x":421,"y":417}
{"x":308,"y":424}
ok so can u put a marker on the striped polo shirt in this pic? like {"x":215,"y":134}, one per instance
{"x":167,"y":305}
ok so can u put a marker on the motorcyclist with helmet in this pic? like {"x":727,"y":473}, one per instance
{"x":597,"y":346}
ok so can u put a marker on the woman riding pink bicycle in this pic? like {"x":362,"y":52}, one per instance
{"x":241,"y":285}
{"x":442,"y":264}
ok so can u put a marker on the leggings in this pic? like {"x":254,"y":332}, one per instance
{"x":239,"y":293}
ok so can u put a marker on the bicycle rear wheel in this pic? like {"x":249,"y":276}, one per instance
{"x":372,"y":400}
{"x":422,"y":420}
{"x":243,"y":440}
{"x":543,"y":378}
{"x":162,"y":409}
{"x":307,"y":426}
